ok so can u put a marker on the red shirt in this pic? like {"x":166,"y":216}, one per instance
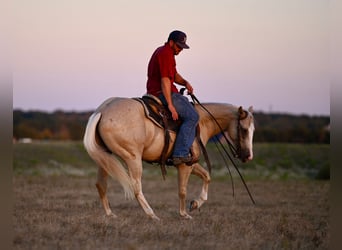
{"x":162,"y":64}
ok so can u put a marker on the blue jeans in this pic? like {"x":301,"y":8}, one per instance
{"x":187,"y":131}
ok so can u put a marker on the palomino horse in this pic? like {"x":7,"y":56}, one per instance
{"x":119,"y":137}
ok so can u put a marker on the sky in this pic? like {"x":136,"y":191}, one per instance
{"x":74,"y":54}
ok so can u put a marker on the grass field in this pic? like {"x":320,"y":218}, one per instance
{"x":271,"y":161}
{"x":56,"y":205}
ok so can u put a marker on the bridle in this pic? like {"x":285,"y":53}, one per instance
{"x":237,"y":151}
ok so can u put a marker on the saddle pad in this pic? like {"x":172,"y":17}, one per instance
{"x":156,"y":111}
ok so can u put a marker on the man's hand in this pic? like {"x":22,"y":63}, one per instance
{"x":173,"y":112}
{"x":189,"y":88}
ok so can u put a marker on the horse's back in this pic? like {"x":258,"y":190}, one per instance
{"x":121,"y":113}
{"x":118,"y":104}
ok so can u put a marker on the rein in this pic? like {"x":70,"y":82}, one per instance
{"x":234,"y":151}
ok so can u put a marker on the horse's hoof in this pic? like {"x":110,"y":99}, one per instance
{"x":155,"y":218}
{"x":111,"y":215}
{"x":186,"y":216}
{"x":193,"y":205}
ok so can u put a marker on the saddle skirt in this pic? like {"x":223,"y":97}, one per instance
{"x":158,"y":113}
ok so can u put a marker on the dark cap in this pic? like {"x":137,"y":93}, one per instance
{"x":179,"y":38}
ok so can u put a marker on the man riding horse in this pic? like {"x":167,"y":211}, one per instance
{"x":162,"y":74}
{"x":119,"y":136}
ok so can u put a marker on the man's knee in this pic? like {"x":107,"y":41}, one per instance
{"x":195,"y":116}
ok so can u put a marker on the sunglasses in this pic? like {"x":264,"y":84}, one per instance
{"x":178,"y":47}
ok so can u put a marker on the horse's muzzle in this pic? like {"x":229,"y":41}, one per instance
{"x":246,"y":156}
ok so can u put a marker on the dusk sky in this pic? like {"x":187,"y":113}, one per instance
{"x":74,"y":54}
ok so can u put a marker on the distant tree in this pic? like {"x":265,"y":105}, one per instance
{"x":61,"y":125}
{"x":46,"y":134}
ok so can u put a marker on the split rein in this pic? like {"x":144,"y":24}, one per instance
{"x":234,"y":151}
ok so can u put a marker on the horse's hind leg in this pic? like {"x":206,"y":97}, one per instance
{"x":101,"y":185}
{"x":135,"y":171}
{"x":204,"y":175}
{"x":184,"y":172}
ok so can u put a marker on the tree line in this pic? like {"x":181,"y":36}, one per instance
{"x":270,"y":127}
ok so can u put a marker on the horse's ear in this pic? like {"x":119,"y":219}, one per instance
{"x":242,"y":113}
{"x":250,"y":109}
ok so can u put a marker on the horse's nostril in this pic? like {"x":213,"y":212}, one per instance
{"x":246,"y":156}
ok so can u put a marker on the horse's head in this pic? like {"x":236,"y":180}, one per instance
{"x":244,"y":134}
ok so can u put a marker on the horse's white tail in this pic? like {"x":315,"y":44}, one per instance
{"x":105,"y":159}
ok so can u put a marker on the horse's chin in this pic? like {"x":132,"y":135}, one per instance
{"x":246,"y":159}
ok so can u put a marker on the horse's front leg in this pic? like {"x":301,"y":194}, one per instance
{"x":204,"y":175}
{"x":184,"y":172}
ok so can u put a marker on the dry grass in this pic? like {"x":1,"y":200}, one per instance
{"x":64,"y":212}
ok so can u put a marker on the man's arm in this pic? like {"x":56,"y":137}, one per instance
{"x":181,"y":81}
{"x":166,"y":89}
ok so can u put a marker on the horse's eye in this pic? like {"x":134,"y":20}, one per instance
{"x":244,"y":131}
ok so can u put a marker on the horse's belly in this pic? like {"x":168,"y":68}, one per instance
{"x":154,"y":147}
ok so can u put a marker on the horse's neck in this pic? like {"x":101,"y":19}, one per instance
{"x":225,"y":115}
